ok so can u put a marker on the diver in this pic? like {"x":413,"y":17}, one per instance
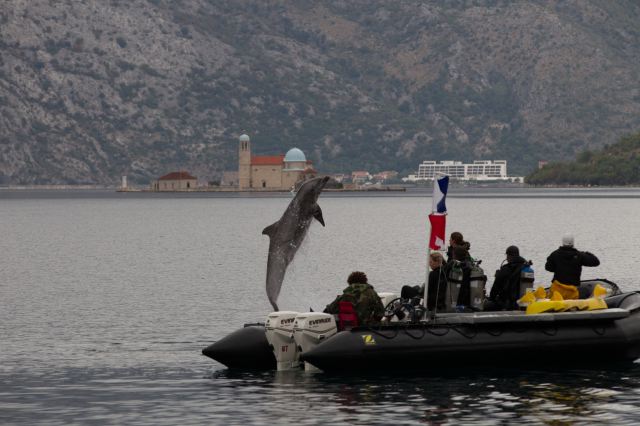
{"x":456,"y":240}
{"x":505,"y":291}
{"x":365,"y":300}
{"x":437,"y":285}
{"x":566,"y":264}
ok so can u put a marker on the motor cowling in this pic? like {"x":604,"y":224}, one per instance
{"x":279,"y":331}
{"x":311,"y":329}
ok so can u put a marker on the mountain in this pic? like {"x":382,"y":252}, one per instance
{"x":96,"y":89}
{"x":617,"y":164}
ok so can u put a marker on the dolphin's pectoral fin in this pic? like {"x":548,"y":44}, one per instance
{"x":317,"y":213}
{"x":271,"y":229}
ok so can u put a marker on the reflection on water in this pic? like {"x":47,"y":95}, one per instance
{"x":156,"y":396}
{"x":107,"y":301}
{"x":463,"y":396}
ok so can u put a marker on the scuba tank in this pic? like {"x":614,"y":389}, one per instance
{"x":526,"y":279}
{"x":478,"y":281}
{"x":454,"y":283}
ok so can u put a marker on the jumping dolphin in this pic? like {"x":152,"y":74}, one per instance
{"x":286,"y":235}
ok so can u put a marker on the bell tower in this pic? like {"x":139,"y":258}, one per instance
{"x":244,"y":162}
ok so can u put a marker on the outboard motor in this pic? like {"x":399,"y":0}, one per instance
{"x":310,"y":329}
{"x":477,"y":283}
{"x":526,"y":279}
{"x":279,"y":329}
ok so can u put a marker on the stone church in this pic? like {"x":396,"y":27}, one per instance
{"x":271,"y":172}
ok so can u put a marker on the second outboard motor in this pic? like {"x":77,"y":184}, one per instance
{"x":526,"y":279}
{"x":311,"y":329}
{"x":279,"y":329}
{"x":477,"y":283}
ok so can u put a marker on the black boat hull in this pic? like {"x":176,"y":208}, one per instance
{"x":246,"y":348}
{"x":598,"y":341}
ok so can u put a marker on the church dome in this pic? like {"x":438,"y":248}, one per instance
{"x":244,"y":138}
{"x":294,"y":155}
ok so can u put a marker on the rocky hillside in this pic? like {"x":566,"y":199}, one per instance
{"x":95,"y":89}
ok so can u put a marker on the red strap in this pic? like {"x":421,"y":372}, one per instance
{"x":347,"y":317}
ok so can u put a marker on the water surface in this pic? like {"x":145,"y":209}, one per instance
{"x":106,"y":301}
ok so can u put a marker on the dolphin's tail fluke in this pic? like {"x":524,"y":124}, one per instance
{"x":274,"y":305}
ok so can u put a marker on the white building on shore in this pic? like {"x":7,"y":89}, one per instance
{"x":478,"y":170}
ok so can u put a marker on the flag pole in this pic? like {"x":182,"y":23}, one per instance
{"x":426,"y":279}
{"x":441,"y":209}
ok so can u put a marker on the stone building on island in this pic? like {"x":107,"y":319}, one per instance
{"x":175,"y":181}
{"x":271,"y":172}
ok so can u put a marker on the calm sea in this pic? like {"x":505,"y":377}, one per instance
{"x":107,"y":299}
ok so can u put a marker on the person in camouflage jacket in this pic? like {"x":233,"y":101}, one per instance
{"x":366,"y":301}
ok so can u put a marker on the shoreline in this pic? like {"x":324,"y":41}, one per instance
{"x":399,"y":188}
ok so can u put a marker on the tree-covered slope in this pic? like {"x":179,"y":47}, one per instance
{"x":95,"y":89}
{"x":617,"y":164}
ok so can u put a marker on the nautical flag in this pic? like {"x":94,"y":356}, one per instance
{"x":438,"y":224}
{"x":440,"y":186}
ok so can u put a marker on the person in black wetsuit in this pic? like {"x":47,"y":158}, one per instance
{"x":456,"y":240}
{"x":437,"y":287}
{"x":566,"y":264}
{"x":506,"y":286}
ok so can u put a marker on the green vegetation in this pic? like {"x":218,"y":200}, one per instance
{"x":617,"y":164}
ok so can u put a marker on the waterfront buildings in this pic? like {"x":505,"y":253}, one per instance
{"x":478,"y":170}
{"x":359,"y":177}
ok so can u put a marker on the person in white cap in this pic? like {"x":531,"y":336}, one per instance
{"x":566,"y":264}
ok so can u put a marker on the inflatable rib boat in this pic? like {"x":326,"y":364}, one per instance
{"x":289,"y":340}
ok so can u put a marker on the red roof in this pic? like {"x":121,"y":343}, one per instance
{"x":267,"y":160}
{"x":177,"y":176}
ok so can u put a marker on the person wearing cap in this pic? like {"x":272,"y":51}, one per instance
{"x":566,"y":264}
{"x":506,"y":286}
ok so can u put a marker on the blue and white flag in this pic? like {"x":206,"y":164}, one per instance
{"x":440,"y":186}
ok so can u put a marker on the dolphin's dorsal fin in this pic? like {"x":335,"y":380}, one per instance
{"x":271,"y":229}
{"x":317,"y":213}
